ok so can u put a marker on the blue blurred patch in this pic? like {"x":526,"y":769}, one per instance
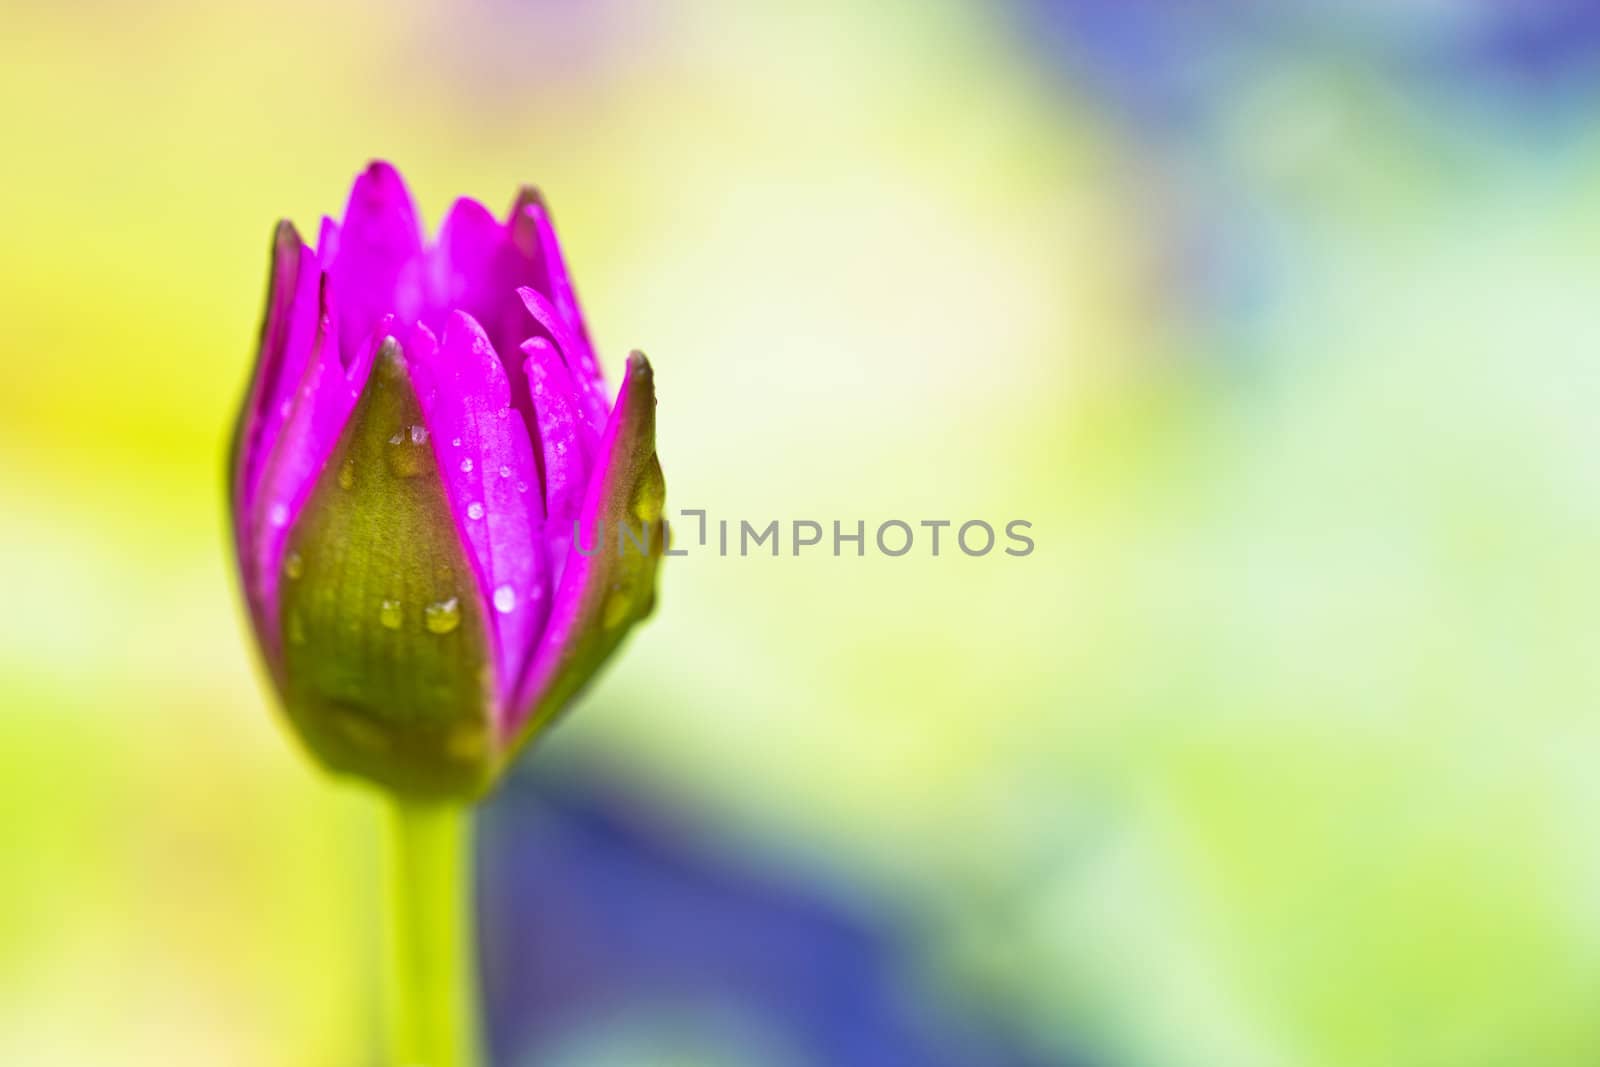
{"x":1163,"y":65}
{"x":601,"y":913}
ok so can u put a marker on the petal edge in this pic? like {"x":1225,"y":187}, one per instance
{"x":605,"y":591}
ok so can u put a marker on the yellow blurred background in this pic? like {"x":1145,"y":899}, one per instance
{"x":1277,"y":752}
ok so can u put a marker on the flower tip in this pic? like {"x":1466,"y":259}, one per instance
{"x":380,"y":170}
{"x":389,"y":352}
{"x":528,"y":196}
{"x":284,"y":235}
{"x":379,"y":197}
{"x":638,"y":376}
{"x":530,"y":299}
{"x":462,"y":329}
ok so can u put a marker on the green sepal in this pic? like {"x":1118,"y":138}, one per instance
{"x":387,"y":656}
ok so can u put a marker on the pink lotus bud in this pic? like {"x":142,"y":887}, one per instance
{"x":426,"y":426}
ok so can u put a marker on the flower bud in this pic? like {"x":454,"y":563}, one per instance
{"x":425,"y":429}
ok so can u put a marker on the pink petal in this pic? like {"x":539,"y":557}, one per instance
{"x":567,"y":443}
{"x":492,"y":482}
{"x":455,"y":271}
{"x":328,"y":241}
{"x":317,"y":410}
{"x":590,"y":390}
{"x":602,"y":593}
{"x":379,"y":237}
{"x":533,"y":231}
{"x":287,"y":332}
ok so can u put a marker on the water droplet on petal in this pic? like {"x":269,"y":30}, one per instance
{"x":466,"y":466}
{"x":522,"y":487}
{"x":419,"y":435}
{"x":442,"y":617}
{"x":390,"y":614}
{"x":455,"y":442}
{"x":505,"y":599}
{"x":505,"y":472}
{"x":279,"y":515}
{"x":293,"y":565}
{"x":474,"y":510}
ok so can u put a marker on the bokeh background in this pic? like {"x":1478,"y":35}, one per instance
{"x":1280,"y":322}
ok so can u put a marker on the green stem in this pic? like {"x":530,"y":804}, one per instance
{"x":433,"y":987}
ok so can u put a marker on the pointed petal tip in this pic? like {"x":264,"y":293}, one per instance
{"x":284,"y":234}
{"x":461,"y":327}
{"x":380,"y":191}
{"x":390,"y":351}
{"x":467,"y":210}
{"x":380,"y":170}
{"x":529,"y":196}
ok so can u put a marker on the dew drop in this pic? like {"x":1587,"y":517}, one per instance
{"x":390,"y":614}
{"x":474,"y":510}
{"x":505,"y":599}
{"x":279,"y":515}
{"x":293,"y":565}
{"x":442,"y":617}
{"x":505,"y":472}
{"x":399,"y":438}
{"x":522,"y":487}
{"x":466,"y":466}
{"x":455,"y":442}
{"x":419,"y":435}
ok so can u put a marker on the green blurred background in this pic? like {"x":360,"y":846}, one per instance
{"x":1280,"y":326}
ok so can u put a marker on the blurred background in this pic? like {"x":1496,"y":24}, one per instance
{"x":1279,"y":323}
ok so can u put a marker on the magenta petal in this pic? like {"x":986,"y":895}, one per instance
{"x":567,"y":444}
{"x":532,"y":230}
{"x":603,"y":591}
{"x":492,"y":483}
{"x":328,"y":241}
{"x":316,"y":411}
{"x":590,"y":390}
{"x":377,"y":240}
{"x":455,"y":272}
{"x":288,"y":329}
